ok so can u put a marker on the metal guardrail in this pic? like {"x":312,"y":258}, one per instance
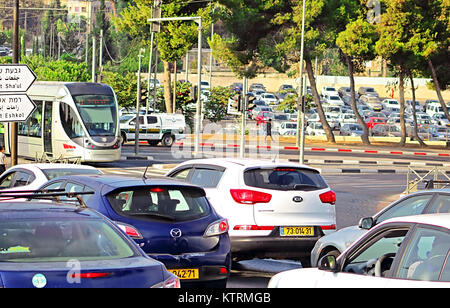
{"x":433,"y":179}
{"x":48,"y":158}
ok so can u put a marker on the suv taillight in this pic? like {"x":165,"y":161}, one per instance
{"x":246,"y":196}
{"x":328,"y":197}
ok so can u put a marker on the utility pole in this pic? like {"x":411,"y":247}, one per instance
{"x":138,"y":100}
{"x":211,"y":56}
{"x":301,"y":101}
{"x":100,"y":57}
{"x":156,"y":13}
{"x":243,"y":119}
{"x":15,"y":59}
{"x":94,"y":60}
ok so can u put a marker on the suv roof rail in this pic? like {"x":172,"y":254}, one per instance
{"x":47,"y":194}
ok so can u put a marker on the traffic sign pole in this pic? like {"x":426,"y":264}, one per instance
{"x":15,"y":80}
{"x":13,"y":141}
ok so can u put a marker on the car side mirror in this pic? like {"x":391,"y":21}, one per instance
{"x":366,"y":223}
{"x":328,"y":263}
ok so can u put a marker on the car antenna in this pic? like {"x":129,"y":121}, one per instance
{"x":144,"y":176}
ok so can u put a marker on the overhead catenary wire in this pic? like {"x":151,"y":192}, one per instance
{"x":112,"y":59}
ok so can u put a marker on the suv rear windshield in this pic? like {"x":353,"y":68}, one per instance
{"x":160,"y":202}
{"x":284,"y":178}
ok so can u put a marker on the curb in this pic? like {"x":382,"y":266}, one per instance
{"x":370,"y":162}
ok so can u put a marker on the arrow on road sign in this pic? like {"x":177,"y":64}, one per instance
{"x":15,"y":78}
{"x":15,"y":107}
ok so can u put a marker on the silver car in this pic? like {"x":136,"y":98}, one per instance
{"x":421,"y":202}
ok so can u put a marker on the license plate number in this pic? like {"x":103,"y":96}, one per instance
{"x":185,"y":273}
{"x":297,"y":231}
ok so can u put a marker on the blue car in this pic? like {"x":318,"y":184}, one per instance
{"x":57,"y":245}
{"x":171,"y":221}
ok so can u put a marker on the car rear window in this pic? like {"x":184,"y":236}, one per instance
{"x":284,"y":178}
{"x":61,"y":240}
{"x":171,"y":203}
{"x":53,"y":173}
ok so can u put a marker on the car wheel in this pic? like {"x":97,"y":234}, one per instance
{"x":167,"y":140}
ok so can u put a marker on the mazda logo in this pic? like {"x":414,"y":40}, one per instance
{"x":297,"y":199}
{"x":175,"y":233}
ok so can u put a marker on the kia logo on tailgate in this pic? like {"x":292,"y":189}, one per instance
{"x":297,"y":199}
{"x":175,"y":233}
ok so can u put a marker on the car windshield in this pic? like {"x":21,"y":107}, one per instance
{"x":98,"y":113}
{"x":33,"y":240}
{"x":53,"y":173}
{"x":160,"y":203}
{"x":284,"y":178}
{"x":126,"y":118}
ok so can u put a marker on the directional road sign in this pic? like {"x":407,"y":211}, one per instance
{"x":15,"y":78}
{"x":15,"y":107}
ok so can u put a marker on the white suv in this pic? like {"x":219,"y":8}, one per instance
{"x":276,"y":210}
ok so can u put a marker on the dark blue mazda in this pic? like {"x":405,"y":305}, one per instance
{"x":172,"y":221}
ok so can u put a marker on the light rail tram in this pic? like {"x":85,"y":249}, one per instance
{"x":71,"y":119}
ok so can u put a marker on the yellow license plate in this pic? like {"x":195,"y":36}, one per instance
{"x":185,"y":273}
{"x":297,"y":231}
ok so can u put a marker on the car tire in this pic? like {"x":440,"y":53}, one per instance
{"x":167,"y":140}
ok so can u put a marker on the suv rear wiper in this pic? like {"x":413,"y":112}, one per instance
{"x":305,"y":186}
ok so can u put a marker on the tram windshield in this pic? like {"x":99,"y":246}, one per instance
{"x":99,"y":114}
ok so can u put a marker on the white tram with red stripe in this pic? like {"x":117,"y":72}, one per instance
{"x":71,"y":119}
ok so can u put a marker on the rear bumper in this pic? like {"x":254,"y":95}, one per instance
{"x":209,"y":264}
{"x":273,"y":245}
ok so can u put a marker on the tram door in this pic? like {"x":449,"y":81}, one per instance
{"x":48,"y":128}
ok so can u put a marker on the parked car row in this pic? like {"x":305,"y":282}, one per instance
{"x":189,"y":225}
{"x":430,"y":117}
{"x":185,"y":229}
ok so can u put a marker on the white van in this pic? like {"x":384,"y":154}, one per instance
{"x":155,"y":128}
{"x":433,"y":108}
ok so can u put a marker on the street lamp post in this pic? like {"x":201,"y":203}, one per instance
{"x":138,"y":107}
{"x":301,"y":114}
